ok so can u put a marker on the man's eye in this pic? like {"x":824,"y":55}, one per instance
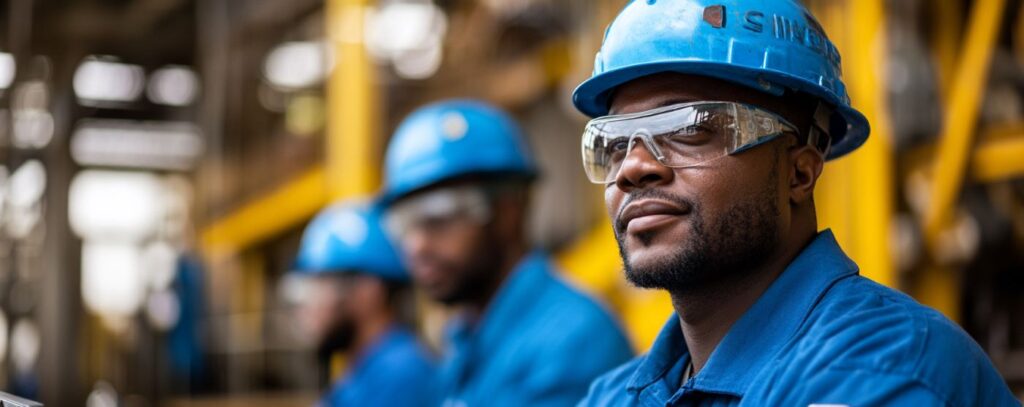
{"x":618,"y":145}
{"x":691,"y":135}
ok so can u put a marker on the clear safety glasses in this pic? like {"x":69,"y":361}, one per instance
{"x":678,"y":136}
{"x":433,"y":212}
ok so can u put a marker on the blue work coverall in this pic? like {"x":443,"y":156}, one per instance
{"x":820,"y":335}
{"x":539,"y":343}
{"x":396,"y":371}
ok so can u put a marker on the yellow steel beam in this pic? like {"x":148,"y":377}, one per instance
{"x":997,"y":156}
{"x":962,"y":111}
{"x":999,"y":159}
{"x":268,"y":216}
{"x":352,"y":151}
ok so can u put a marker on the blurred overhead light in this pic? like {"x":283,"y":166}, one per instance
{"x":8,"y":68}
{"x":3,"y":337}
{"x":161,"y":262}
{"x":33,"y":123}
{"x":298,"y":65}
{"x":410,"y":35}
{"x":173,"y":86}
{"x":110,"y":205}
{"x":146,"y":145}
{"x":419,"y":64}
{"x":102,"y":395}
{"x":25,"y":344}
{"x":163,"y":310}
{"x":23,"y":193}
{"x":27,"y":185}
{"x":103,"y":79}
{"x":112,"y":284}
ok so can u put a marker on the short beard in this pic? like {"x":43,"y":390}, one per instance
{"x":729,"y":248}
{"x":339,"y":339}
{"x":480,"y":274}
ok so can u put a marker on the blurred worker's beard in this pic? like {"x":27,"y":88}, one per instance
{"x":477,"y":277}
{"x":728,"y":248}
{"x":338,"y":339}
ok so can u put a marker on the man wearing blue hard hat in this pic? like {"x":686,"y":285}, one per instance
{"x":712,"y":123}
{"x":356,"y":306}
{"x":457,"y":179}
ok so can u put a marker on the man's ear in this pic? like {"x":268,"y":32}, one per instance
{"x":509,"y":216}
{"x":806,"y":164}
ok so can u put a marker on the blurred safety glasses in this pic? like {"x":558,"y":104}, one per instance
{"x":435,"y":211}
{"x":678,"y":136}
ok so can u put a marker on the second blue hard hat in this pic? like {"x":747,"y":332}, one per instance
{"x":453,"y":139}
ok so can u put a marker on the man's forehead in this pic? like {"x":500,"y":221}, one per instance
{"x":668,"y":88}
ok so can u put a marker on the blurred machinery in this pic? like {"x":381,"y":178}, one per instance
{"x":155,"y":174}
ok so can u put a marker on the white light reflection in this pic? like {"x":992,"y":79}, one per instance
{"x":8,"y":69}
{"x":110,"y":205}
{"x":298,"y":65}
{"x":3,"y":337}
{"x":103,"y":79}
{"x":112,"y":283}
{"x":163,"y":309}
{"x":410,"y":35}
{"x":22,"y":195}
{"x":173,"y":86}
{"x":147,"y":145}
{"x":25,"y":344}
{"x":33,"y":123}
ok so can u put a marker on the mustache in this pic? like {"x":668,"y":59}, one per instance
{"x":620,"y":226}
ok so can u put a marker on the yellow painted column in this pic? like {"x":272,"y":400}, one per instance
{"x":855,"y":195}
{"x":352,"y":150}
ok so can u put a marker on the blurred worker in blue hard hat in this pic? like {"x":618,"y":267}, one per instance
{"x":713,"y":121}
{"x":356,"y":307}
{"x":458,"y":177}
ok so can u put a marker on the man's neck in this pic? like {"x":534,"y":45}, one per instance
{"x":510,"y":259}
{"x":707,"y":313}
{"x":371,"y":331}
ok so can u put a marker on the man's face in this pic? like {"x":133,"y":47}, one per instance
{"x":326,"y":314}
{"x":681,"y":228}
{"x":451,"y":252}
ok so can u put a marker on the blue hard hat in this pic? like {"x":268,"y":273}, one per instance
{"x":453,"y":139}
{"x":768,"y":45}
{"x":349,"y":238}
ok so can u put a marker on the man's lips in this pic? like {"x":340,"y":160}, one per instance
{"x":648,"y":214}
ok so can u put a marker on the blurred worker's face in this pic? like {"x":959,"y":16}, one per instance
{"x":449,"y":242}
{"x":680,"y":228}
{"x":331,"y":311}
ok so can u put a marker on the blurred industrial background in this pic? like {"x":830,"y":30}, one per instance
{"x":159,"y":159}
